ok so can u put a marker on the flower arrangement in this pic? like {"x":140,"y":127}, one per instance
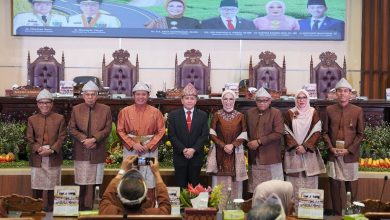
{"x":375,"y":148}
{"x":215,"y":195}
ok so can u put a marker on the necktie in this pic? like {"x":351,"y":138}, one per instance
{"x":189,"y":120}
{"x":230,"y":24}
{"x":315,"y":25}
{"x":44,"y":18}
{"x":89,"y":19}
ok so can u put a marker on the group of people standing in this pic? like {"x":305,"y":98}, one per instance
{"x":262,"y":129}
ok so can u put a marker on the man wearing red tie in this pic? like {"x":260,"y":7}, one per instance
{"x":188,"y":132}
{"x":228,"y":19}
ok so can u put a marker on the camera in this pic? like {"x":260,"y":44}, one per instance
{"x":143,"y":161}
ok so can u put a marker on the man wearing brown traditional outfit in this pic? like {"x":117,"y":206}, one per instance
{"x":126,"y":193}
{"x":90,"y":125}
{"x":46,"y":131}
{"x":343,"y":132}
{"x":141,"y":127}
{"x":265,"y":130}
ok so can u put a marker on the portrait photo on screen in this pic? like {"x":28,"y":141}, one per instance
{"x":182,"y":19}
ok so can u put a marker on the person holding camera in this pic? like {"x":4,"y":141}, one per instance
{"x":126,"y":193}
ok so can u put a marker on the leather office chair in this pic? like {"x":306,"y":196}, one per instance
{"x":327,"y":73}
{"x":267,"y":73}
{"x":193,"y":70}
{"x":46,"y":72}
{"x":120,"y":75}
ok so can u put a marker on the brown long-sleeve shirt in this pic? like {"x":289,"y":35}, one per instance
{"x":350,"y":121}
{"x":46,"y":130}
{"x":99,"y":128}
{"x":268,"y":128}
{"x":111,"y":205}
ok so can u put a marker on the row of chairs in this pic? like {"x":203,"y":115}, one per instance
{"x":120,"y":75}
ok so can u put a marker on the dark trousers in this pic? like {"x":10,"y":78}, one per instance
{"x":187,"y":174}
{"x":87,"y":196}
{"x":47,"y":196}
{"x":336,"y":193}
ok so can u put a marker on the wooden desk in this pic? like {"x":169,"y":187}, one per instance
{"x":18,"y":181}
{"x":21,"y":108}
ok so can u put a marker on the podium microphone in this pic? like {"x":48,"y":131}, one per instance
{"x":383,"y":188}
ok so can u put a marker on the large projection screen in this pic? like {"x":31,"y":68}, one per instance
{"x":189,"y":19}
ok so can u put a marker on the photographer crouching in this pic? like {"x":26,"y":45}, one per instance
{"x":126,"y":193}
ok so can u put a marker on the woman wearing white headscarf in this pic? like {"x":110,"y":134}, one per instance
{"x":228,"y":132}
{"x":276,"y":18}
{"x":302,"y":160}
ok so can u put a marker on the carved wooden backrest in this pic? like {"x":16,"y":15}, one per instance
{"x":327,"y":73}
{"x":120,"y":74}
{"x":267,"y":73}
{"x":21,"y":203}
{"x":193,"y":70}
{"x":46,"y":72}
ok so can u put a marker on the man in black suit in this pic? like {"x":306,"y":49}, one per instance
{"x":188,"y":131}
{"x":318,"y":20}
{"x":228,"y":19}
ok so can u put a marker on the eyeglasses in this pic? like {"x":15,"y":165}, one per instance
{"x":301,"y":97}
{"x":44,"y":103}
{"x":262,"y":100}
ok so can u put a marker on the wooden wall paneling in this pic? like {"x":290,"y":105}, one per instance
{"x":375,"y":48}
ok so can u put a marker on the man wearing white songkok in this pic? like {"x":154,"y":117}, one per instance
{"x":228,"y":132}
{"x":90,"y":125}
{"x":141,"y":127}
{"x":343,"y":132}
{"x":302,"y":159}
{"x":46,"y":131}
{"x":265,"y":130}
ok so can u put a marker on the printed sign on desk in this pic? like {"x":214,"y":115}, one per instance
{"x":311,"y":89}
{"x":66,"y":201}
{"x":174,"y":195}
{"x":311,"y":203}
{"x":66,"y":88}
